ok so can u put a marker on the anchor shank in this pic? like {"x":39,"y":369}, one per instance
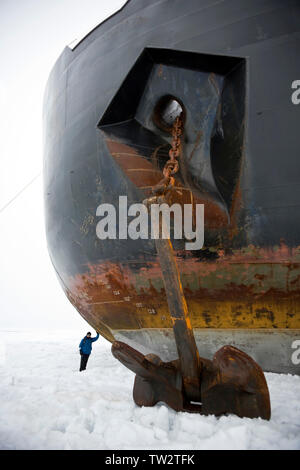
{"x":190,"y":364}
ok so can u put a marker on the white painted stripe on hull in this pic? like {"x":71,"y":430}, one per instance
{"x":274,"y":350}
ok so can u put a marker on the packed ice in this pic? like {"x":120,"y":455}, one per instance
{"x":46,"y":403}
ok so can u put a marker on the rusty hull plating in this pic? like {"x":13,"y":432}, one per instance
{"x":231,"y":383}
{"x":106,"y":134}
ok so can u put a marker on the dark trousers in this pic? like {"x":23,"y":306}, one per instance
{"x":83,"y":362}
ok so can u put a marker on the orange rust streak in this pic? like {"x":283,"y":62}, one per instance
{"x":140,"y":178}
{"x":132,"y":161}
{"x":144,"y":174}
{"x":119,"y":295}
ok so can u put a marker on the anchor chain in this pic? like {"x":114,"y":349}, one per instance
{"x":232,"y":382}
{"x":189,"y":362}
{"x":166,"y":184}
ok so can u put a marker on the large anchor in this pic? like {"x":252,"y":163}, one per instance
{"x":232,"y":382}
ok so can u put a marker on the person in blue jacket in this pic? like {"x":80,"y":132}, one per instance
{"x":85,"y":349}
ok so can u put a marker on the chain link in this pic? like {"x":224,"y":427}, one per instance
{"x":172,"y":165}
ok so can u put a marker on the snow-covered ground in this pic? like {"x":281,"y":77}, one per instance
{"x":46,"y":403}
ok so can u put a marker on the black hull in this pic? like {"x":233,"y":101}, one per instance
{"x":242,"y":57}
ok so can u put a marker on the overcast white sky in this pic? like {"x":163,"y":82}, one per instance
{"x":33,"y":34}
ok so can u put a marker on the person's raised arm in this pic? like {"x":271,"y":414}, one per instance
{"x":96,"y":337}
